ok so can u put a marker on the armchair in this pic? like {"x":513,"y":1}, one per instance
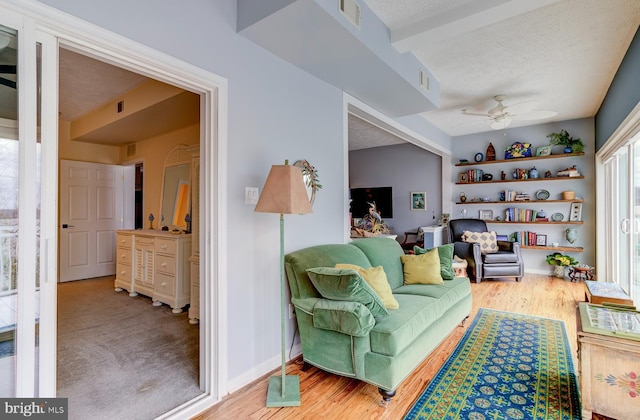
{"x":506,"y":262}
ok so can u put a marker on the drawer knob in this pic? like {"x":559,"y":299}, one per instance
{"x":163,"y":284}
{"x":164,"y":264}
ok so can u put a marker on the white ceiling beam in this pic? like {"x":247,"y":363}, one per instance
{"x":463,"y":19}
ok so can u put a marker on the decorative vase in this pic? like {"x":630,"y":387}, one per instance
{"x":463,"y":197}
{"x":568,"y":149}
{"x":533,"y":173}
{"x":571,"y":234}
{"x":558,"y":271}
{"x":542,"y":214}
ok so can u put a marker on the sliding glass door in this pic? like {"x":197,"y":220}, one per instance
{"x":622,"y":217}
{"x":23,"y":244}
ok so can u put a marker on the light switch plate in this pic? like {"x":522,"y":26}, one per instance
{"x":250,"y":195}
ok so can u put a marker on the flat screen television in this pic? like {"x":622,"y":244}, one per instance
{"x":360,"y":197}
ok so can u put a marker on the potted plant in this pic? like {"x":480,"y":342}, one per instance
{"x":570,"y":144}
{"x":560,"y":261}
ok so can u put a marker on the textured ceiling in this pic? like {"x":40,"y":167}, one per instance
{"x":363,"y":135}
{"x":86,"y":84}
{"x":562,"y":55}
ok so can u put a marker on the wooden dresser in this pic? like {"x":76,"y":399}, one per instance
{"x":154,"y":263}
{"x":608,"y":367}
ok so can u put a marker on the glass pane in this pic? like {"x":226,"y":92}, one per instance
{"x":9,"y":166}
{"x":622,"y":218}
{"x":636,"y":222}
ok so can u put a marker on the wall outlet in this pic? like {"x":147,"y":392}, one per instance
{"x":292,"y":311}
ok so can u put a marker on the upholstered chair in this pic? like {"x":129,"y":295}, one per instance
{"x":486,"y":257}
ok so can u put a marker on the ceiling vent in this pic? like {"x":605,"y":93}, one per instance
{"x":131,"y":149}
{"x":424,"y":80}
{"x":351,"y":10}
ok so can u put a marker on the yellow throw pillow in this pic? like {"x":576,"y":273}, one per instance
{"x":422,"y":269}
{"x":377,"y":279}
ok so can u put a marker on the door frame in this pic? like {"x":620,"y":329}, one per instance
{"x":88,"y":39}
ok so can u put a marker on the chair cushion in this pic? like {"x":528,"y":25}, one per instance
{"x":422,"y":269}
{"x":487,"y":240}
{"x":341,"y":284}
{"x":445,"y":252}
{"x":377,"y":279}
{"x":500,"y":257}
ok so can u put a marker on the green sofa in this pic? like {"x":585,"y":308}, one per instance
{"x":344,"y":338}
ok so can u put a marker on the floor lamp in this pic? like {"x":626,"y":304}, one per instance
{"x":284,"y":192}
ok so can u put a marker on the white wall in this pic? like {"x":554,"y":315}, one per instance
{"x":465,"y":147}
{"x":276,"y":112}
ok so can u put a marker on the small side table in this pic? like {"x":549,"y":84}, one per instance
{"x":581,"y":273}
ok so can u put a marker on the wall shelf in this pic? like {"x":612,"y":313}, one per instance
{"x":490,"y":162}
{"x":556,"y":178}
{"x":522,"y":202}
{"x":553,"y":248}
{"x":550,"y":222}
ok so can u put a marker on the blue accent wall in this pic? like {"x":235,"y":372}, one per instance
{"x":623,"y":94}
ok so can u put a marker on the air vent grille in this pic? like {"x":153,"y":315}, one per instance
{"x":351,"y":10}
{"x":131,"y":149}
{"x":424,"y":79}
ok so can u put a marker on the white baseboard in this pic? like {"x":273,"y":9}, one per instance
{"x":262,"y":369}
{"x":538,"y":271}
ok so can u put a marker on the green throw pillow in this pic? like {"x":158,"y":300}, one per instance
{"x":348,"y":285}
{"x":445,"y":252}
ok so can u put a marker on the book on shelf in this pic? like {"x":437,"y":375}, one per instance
{"x":510,"y":195}
{"x":516,"y":214}
{"x":525,"y":238}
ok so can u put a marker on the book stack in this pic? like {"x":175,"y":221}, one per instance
{"x":510,"y":195}
{"x":474,"y":175}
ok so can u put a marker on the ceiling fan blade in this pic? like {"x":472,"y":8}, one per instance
{"x":475,"y":114}
{"x":522,"y":108}
{"x":501,"y":123}
{"x":536,"y":115}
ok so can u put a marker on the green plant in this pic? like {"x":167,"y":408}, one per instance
{"x":564,"y":139}
{"x":560,"y":259}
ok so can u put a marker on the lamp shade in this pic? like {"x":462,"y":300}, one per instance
{"x":284,"y":192}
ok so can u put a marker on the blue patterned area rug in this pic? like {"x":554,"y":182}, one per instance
{"x":507,"y":366}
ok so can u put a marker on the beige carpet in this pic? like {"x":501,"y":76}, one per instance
{"x":119,"y":357}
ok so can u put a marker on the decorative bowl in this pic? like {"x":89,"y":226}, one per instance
{"x":542,"y":194}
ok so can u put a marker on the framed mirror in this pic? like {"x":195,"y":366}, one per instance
{"x":176,"y":190}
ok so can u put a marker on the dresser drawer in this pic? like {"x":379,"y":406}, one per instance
{"x":123,"y":255}
{"x":123,"y":271}
{"x":165,"y":284}
{"x":166,"y":246}
{"x":144,"y":241}
{"x":124,"y":241}
{"x":165,"y":264}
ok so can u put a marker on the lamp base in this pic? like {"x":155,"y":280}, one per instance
{"x":291,"y":397}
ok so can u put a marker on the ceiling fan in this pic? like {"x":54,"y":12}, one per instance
{"x":501,"y":115}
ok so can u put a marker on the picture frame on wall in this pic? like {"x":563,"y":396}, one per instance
{"x":575,"y":214}
{"x":419,"y":201}
{"x":486,"y":214}
{"x":541,"y":240}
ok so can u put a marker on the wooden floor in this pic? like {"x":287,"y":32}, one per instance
{"x":325,"y":395}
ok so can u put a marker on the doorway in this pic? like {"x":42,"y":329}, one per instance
{"x":139,"y":136}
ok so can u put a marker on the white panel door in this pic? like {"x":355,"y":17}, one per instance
{"x":91,"y":210}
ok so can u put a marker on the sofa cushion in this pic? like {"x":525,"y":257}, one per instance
{"x":450,"y":292}
{"x":344,"y":317}
{"x":422,"y":269}
{"x":391,"y":335}
{"x":340,"y":284}
{"x":385,"y":252}
{"x":445,"y":252}
{"x":377,"y":279}
{"x":488,"y":241}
